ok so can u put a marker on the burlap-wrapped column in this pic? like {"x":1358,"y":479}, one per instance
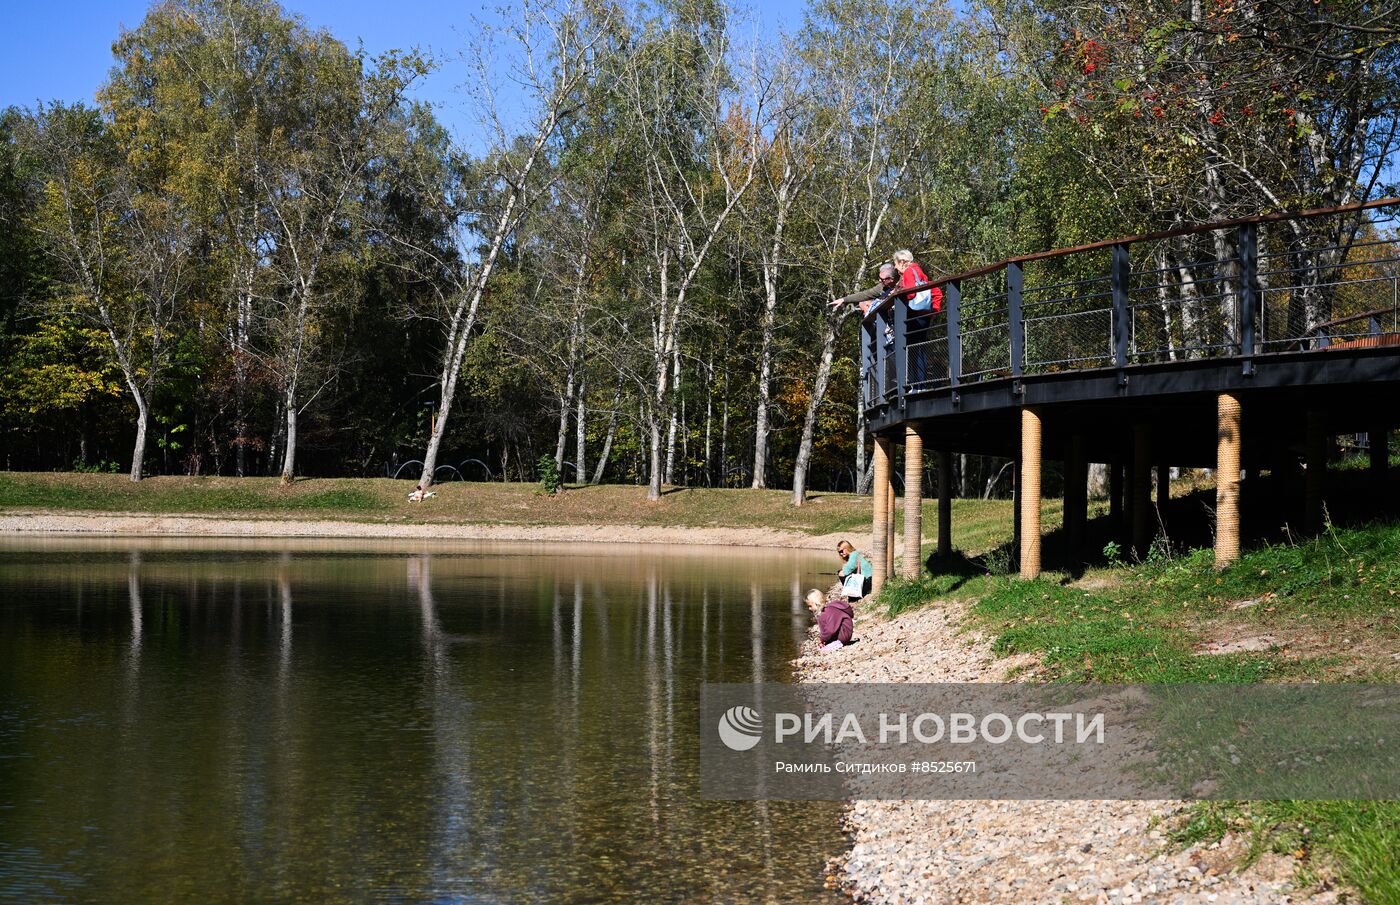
{"x":913,"y":503}
{"x":1029,"y":486}
{"x":1227,"y":480}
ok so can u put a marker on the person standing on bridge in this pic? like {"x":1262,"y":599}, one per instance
{"x":889,"y":276}
{"x":926,"y":301}
{"x":923,"y":304}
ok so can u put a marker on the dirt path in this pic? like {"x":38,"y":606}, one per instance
{"x":1013,"y":851}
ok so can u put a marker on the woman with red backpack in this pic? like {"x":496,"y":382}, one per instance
{"x":922,"y":306}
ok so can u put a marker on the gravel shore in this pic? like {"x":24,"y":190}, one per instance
{"x":1012,"y":851}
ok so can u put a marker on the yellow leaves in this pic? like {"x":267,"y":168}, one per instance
{"x":58,"y":367}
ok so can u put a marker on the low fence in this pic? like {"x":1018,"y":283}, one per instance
{"x":1308,"y":282}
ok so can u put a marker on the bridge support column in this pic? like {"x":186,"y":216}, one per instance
{"x":1028,"y":487}
{"x":945,"y":504}
{"x":1164,"y":490}
{"x":913,"y":503}
{"x":879,"y":523}
{"x":1076,"y":499}
{"x":1141,"y":490}
{"x":1115,"y":498}
{"x":1315,"y":479}
{"x":1227,"y":480}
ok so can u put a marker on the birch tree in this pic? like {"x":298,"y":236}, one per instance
{"x":555,"y":46}
{"x":784,"y":173}
{"x":868,"y":59}
{"x":311,"y":188}
{"x":698,"y":164}
{"x":120,"y":248}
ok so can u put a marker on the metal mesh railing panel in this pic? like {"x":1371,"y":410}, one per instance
{"x":927,"y":365}
{"x":1329,"y":281}
{"x":985,"y":325}
{"x":1067,"y":308}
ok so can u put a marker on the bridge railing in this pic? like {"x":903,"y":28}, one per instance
{"x":1237,"y":289}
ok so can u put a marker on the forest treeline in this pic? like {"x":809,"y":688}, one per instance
{"x":256,"y":254}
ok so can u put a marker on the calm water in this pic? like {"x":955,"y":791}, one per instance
{"x":436,"y":724}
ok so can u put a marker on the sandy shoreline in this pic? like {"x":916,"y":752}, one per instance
{"x":1016,"y":851}
{"x":136,"y":524}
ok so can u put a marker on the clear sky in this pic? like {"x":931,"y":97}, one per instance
{"x":62,"y":49}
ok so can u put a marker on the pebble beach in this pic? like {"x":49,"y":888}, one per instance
{"x":927,"y":852}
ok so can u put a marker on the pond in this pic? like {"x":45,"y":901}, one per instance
{"x":362,"y":722}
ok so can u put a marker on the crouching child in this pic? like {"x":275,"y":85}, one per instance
{"x":835,"y":620}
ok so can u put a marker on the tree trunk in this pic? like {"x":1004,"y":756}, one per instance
{"x":581,"y":420}
{"x":459,"y":338}
{"x":242,"y":334}
{"x":561,"y":436}
{"x":709,"y":426}
{"x":809,"y":422}
{"x":760,"y":433}
{"x":469,"y":300}
{"x":765,"y":354}
{"x":138,"y":452}
{"x":1098,"y":480}
{"x":685,"y":447}
{"x":671,"y":427}
{"x":608,"y":438}
{"x":1192,"y":336}
{"x":654,"y":482}
{"x":240,"y":434}
{"x":566,"y":399}
{"x":724,"y":434}
{"x":1164,"y":298}
{"x":290,"y":456}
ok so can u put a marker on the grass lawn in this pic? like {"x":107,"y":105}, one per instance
{"x":979,"y":525}
{"x":1325,"y":609}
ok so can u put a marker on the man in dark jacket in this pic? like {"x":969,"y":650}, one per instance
{"x":889,"y":276}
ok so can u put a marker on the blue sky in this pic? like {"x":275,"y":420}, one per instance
{"x":62,"y":49}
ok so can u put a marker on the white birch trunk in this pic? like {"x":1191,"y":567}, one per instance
{"x":581,"y":423}
{"x":809,"y":422}
{"x":771,"y":264}
{"x":608,"y":437}
{"x":671,"y":428}
{"x":724,"y":434}
{"x":138,"y":452}
{"x":709,"y":426}
{"x":290,"y":456}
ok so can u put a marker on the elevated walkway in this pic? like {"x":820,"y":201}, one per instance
{"x":1244,"y":343}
